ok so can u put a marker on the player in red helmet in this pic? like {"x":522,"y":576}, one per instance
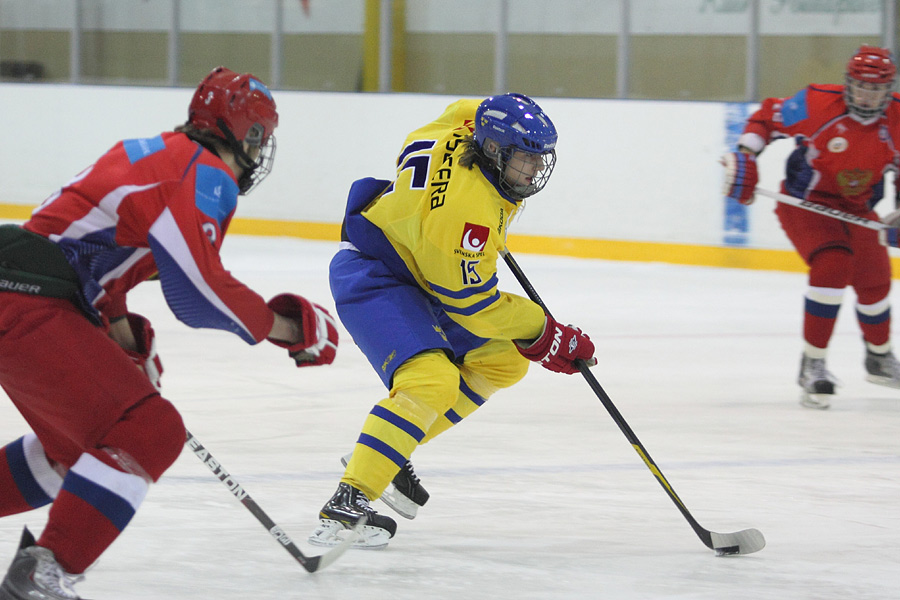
{"x":848,"y":137}
{"x":238,"y":110}
{"x":81,"y":368}
{"x":869,"y":82}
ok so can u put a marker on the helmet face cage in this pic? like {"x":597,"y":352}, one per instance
{"x":258,"y":169}
{"x":524,"y":174}
{"x":869,"y":82}
{"x":521,"y":130}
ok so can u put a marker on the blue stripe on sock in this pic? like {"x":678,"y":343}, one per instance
{"x":382,"y":448}
{"x":28,"y":486}
{"x":399,"y":422}
{"x":471,"y":395}
{"x":817,"y":309}
{"x":452,"y":416}
{"x":874,"y":319}
{"x":112,"y":506}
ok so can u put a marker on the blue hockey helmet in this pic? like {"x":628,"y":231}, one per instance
{"x":515,"y":122}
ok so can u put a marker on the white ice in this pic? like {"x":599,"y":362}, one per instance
{"x":538,"y":495}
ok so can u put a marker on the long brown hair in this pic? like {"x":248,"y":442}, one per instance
{"x":204,"y":137}
{"x":472,"y":154}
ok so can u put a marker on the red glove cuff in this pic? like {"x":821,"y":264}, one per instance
{"x":145,"y":356}
{"x":300,"y":310}
{"x":318,"y":345}
{"x":741,"y":176}
{"x":559,"y":346}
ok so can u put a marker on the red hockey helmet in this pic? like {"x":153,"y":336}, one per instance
{"x":872,"y":64}
{"x":242,"y":102}
{"x":238,"y":109}
{"x":869,"y":81}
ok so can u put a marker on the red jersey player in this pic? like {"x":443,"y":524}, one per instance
{"x":848,"y":137}
{"x":80,"y":368}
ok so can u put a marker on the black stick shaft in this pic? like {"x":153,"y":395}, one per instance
{"x":310,"y":563}
{"x":703,"y":533}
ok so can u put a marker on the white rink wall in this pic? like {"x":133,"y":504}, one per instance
{"x":627,"y":170}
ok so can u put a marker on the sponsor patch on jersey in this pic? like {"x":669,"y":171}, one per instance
{"x":215,"y":193}
{"x":838,"y":144}
{"x":474,"y":237}
{"x":142,"y":148}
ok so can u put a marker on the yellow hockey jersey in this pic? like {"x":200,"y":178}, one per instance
{"x":448,"y":225}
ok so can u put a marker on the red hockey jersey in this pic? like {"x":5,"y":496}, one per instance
{"x":839,"y":161}
{"x":156,"y":205}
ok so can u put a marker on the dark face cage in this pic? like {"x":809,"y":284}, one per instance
{"x":260,"y":168}
{"x":521,"y":178}
{"x":867,"y":100}
{"x":254,"y":170}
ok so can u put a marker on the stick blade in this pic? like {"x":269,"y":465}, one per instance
{"x":746,"y":541}
{"x":317,"y":563}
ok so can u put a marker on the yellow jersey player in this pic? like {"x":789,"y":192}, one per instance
{"x":415,"y":284}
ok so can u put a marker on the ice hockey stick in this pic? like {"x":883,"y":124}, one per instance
{"x":310,"y":563}
{"x":745,"y":541}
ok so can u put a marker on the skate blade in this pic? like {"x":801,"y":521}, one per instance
{"x":399,"y":503}
{"x":816,"y":401}
{"x":336,"y":551}
{"x":332,"y":533}
{"x":885,"y":381}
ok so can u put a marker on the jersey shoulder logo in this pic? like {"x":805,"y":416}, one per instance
{"x":468,"y":124}
{"x":795,"y":109}
{"x":142,"y":148}
{"x":474,"y":237}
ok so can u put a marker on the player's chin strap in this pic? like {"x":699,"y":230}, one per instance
{"x":243,"y":160}
{"x":739,"y":542}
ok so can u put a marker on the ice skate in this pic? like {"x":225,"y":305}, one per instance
{"x":405,"y":494}
{"x":340,"y":514}
{"x":817,"y":382}
{"x":35,"y":575}
{"x":883,"y":369}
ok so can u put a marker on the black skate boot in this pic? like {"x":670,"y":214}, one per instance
{"x":883,"y":369}
{"x":342,"y":513}
{"x":405,"y":494}
{"x":817,"y":382}
{"x":35,"y":575}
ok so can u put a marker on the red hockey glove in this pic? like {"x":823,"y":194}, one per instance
{"x":559,"y":346}
{"x":741,"y":176}
{"x":145,"y":357}
{"x":318,"y":345}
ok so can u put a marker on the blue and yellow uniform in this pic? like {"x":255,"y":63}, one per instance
{"x":415,"y":283}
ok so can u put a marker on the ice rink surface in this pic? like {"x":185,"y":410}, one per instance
{"x":538,"y":495}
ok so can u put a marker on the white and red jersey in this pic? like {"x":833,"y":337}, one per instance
{"x":156,"y":205}
{"x":839,"y":161}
